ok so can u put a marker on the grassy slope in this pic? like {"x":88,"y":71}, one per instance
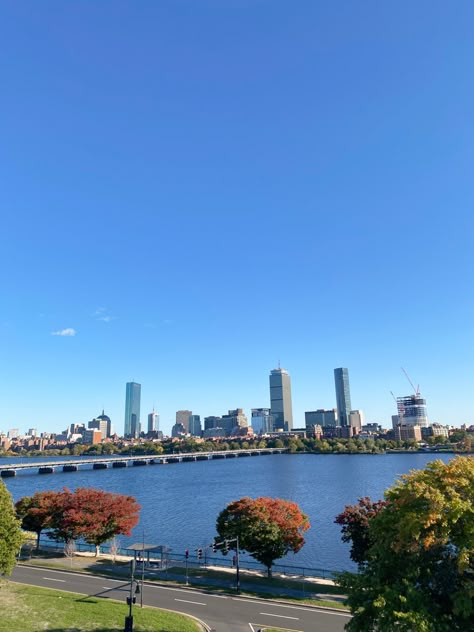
{"x":31,"y":609}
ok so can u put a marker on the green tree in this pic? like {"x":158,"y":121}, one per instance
{"x":268,"y":528}
{"x":11,"y":537}
{"x":419,"y":573}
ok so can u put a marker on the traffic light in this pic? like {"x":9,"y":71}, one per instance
{"x":226,"y":546}
{"x":186,"y":553}
{"x":214,"y":547}
{"x":199,"y":554}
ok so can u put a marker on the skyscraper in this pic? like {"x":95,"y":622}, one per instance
{"x":132,"y":410}
{"x":153,"y":422}
{"x":343,"y":395}
{"x":280,"y":399}
{"x":182,"y":417}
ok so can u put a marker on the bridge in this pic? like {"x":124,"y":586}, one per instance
{"x":103,"y":463}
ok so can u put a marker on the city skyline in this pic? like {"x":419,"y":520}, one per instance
{"x":281,"y":384}
{"x":187,"y":196}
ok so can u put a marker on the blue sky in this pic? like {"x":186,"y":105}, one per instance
{"x":203,"y":188}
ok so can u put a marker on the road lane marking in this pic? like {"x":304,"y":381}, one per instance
{"x":197,"y":603}
{"x":280,"y":616}
{"x":320,"y":609}
{"x":262,"y":626}
{"x":53,"y":579}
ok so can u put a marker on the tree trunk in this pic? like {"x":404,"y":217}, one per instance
{"x":269,"y":572}
{"x":97,"y":550}
{"x":38,"y":535}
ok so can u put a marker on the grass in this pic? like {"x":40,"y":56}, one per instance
{"x":31,"y":609}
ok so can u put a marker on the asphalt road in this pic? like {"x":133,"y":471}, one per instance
{"x":222,"y":613}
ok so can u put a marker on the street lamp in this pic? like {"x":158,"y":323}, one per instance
{"x":131,"y":599}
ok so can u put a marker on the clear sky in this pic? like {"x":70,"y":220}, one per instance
{"x":199,"y":189}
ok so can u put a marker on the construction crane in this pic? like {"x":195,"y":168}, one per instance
{"x":417,"y":389}
{"x":400,"y":408}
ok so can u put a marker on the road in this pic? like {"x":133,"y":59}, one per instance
{"x":222,"y":613}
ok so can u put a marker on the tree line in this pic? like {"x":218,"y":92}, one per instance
{"x":460,"y":441}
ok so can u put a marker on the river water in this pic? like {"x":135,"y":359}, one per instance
{"x":180,"y":501}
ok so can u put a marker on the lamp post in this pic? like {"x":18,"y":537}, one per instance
{"x":131,"y":599}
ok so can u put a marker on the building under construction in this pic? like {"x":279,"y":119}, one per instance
{"x":412,"y":410}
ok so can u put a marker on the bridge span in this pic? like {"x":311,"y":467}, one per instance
{"x":103,"y":463}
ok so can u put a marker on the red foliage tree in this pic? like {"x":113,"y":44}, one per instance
{"x":354,"y":521}
{"x":95,"y":516}
{"x":268,"y":528}
{"x":36,"y":512}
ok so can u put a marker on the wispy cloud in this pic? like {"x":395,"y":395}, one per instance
{"x":69,"y":331}
{"x":106,"y":319}
{"x":102,"y":315}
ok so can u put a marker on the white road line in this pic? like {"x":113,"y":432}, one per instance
{"x":108,"y":588}
{"x":197,"y":603}
{"x":321,"y":610}
{"x":280,"y":616}
{"x":52,"y":579}
{"x":251,"y":627}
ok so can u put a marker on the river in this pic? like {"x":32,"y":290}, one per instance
{"x":180,"y":502}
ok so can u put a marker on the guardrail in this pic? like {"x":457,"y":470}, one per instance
{"x":169,"y":558}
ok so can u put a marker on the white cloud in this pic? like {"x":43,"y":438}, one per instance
{"x":106,"y":319}
{"x":69,"y":331}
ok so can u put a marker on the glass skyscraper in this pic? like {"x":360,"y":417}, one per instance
{"x":132,"y":410}
{"x":280,"y":400}
{"x":343,"y":395}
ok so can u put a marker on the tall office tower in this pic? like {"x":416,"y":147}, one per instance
{"x":182,"y":417}
{"x":280,"y":399}
{"x":343,"y":395}
{"x":195,"y":425}
{"x":132,"y":410}
{"x":262,"y":421}
{"x":153,"y":421}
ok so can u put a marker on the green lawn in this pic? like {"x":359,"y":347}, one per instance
{"x":31,"y":609}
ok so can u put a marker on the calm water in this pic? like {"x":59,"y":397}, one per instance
{"x":180,"y":502}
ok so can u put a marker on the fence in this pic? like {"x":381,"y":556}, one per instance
{"x":167,"y":558}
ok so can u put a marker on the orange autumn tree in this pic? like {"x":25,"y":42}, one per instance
{"x":97,"y":516}
{"x":267,"y":528}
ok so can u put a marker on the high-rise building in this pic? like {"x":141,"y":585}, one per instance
{"x":132,"y":409}
{"x":280,"y":399}
{"x":182,"y":417}
{"x":262,"y":420}
{"x":153,"y":422}
{"x":412,"y":411}
{"x":321,"y":417}
{"x":356,"y":419}
{"x":99,"y":424}
{"x":195,"y":429}
{"x":343,"y":395}
{"x":234,"y":419}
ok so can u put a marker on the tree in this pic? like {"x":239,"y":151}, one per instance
{"x":419,"y":573}
{"x":36,"y":512}
{"x":94,"y":515}
{"x":268,"y":528}
{"x":11,"y":537}
{"x":354,"y":521}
